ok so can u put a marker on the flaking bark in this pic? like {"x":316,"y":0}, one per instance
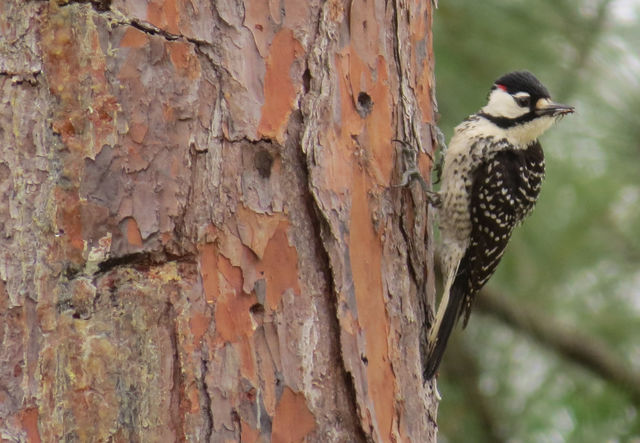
{"x":200,"y":236}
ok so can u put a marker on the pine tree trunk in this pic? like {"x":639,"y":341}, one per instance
{"x":200,"y":236}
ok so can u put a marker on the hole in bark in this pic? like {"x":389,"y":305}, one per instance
{"x":263,"y":162}
{"x":364,"y":105}
{"x":257,"y":313}
{"x":71,"y":271}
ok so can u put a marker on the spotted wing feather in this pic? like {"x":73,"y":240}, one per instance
{"x":504,"y":191}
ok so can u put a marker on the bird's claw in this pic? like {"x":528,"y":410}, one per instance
{"x":410,"y":175}
{"x":434,"y":199}
{"x":413,"y":173}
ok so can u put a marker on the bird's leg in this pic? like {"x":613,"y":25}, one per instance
{"x":413,"y":173}
{"x":442,"y":145}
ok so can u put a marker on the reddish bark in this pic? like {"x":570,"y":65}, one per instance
{"x":201,"y":239}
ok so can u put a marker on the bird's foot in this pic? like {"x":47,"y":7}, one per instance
{"x":441,"y":144}
{"x":413,"y":173}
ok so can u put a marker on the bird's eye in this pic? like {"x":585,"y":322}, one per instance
{"x":523,"y":101}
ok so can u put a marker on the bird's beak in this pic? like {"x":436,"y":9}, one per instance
{"x":547,"y":107}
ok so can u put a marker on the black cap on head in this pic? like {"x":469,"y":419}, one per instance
{"x":522,"y":81}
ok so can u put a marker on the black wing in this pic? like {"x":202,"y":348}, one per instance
{"x":503,"y":194}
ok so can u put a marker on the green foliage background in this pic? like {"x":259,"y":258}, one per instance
{"x":577,"y":258}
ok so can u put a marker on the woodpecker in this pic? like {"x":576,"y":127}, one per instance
{"x":492,"y":174}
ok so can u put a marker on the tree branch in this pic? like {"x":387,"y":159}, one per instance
{"x":588,"y":351}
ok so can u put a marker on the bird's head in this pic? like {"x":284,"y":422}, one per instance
{"x":521,"y":106}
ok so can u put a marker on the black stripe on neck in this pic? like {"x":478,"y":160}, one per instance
{"x":505,"y":122}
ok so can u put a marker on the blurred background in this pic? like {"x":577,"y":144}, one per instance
{"x":553,"y":353}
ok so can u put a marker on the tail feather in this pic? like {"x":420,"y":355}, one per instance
{"x":449,"y":319}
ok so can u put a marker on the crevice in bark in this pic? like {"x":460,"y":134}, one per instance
{"x":257,"y":141}
{"x":178,"y":381}
{"x":182,"y":232}
{"x":413,"y":273}
{"x":322,"y":232}
{"x":398,"y":62}
{"x":416,"y":271}
{"x":151,"y":29}
{"x":310,"y":102}
{"x":235,"y":419}
{"x":18,"y":78}
{"x":98,"y":5}
{"x":361,"y":434}
{"x":207,"y":51}
{"x":137,"y":258}
{"x":417,"y":247}
{"x":148,"y":28}
{"x":144,"y":260}
{"x":103,"y":7}
{"x":206,"y":398}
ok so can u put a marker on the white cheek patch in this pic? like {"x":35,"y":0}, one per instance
{"x":530,"y":131}
{"x":501,"y":104}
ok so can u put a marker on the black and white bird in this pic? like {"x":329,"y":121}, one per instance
{"x":493,"y":170}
